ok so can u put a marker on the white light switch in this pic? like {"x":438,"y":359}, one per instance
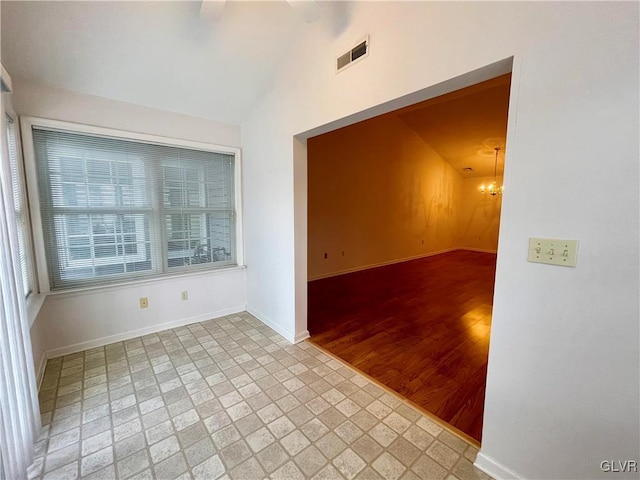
{"x":553,"y":251}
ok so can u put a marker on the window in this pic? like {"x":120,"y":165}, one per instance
{"x":20,"y":206}
{"x":115,"y":209}
{"x":20,"y":420}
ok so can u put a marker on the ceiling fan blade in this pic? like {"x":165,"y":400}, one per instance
{"x":308,"y":10}
{"x":212,"y":9}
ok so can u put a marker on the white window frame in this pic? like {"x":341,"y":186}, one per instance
{"x":29,"y":123}
{"x":26,"y":201}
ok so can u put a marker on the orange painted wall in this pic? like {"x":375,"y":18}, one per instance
{"x":378,"y":193}
{"x":479,"y":216}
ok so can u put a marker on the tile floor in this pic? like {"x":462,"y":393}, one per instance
{"x":230,"y":398}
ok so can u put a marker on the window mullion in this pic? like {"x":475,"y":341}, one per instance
{"x":159,"y":223}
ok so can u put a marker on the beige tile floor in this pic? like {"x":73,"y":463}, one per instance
{"x":230,"y":398}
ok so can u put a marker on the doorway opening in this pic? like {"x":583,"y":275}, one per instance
{"x":402,"y":242}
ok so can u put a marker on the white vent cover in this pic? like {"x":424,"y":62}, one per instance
{"x":358,"y":52}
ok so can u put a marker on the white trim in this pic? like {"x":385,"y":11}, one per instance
{"x":22,"y":174}
{"x":34,"y":304}
{"x":40,"y":368}
{"x":5,"y":79}
{"x":31,"y":176}
{"x":380,"y":264}
{"x":495,"y":469}
{"x":151,"y":280}
{"x":479,"y":250}
{"x":19,"y":412}
{"x":302,"y":336}
{"x":119,"y":337}
{"x":290,"y":337}
{"x":26,"y":126}
{"x":120,"y":134}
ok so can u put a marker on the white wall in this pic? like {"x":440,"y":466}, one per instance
{"x":75,"y":321}
{"x":563,"y":380}
{"x":37,"y":100}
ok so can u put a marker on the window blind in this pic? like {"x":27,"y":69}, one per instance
{"x":115,"y":209}
{"x":21,"y":210}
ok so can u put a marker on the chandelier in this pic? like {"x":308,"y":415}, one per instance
{"x":493,"y":189}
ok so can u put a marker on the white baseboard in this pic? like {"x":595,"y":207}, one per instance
{"x":289,"y":336}
{"x":495,"y":469}
{"x":380,"y":264}
{"x":42,"y":364}
{"x":302,"y":336}
{"x":119,"y":337}
{"x":480,"y":250}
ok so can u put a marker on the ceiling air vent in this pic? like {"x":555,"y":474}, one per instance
{"x":361,"y":50}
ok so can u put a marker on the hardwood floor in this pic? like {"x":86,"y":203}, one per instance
{"x":420,"y":327}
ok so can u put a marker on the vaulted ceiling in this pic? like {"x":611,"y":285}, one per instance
{"x":164,"y":55}
{"x":465,"y":126}
{"x":172,"y":56}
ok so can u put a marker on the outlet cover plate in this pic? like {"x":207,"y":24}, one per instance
{"x":553,"y":251}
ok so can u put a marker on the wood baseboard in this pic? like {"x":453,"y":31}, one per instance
{"x":379,"y":264}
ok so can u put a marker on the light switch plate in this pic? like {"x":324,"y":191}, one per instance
{"x":553,"y":251}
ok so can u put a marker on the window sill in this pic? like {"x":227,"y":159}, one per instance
{"x":147,"y":281}
{"x":34,"y":303}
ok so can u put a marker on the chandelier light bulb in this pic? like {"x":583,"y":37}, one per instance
{"x":493,"y":189}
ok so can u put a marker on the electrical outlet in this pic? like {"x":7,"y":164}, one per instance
{"x":184,"y":295}
{"x":144,"y":302}
{"x":553,"y":252}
